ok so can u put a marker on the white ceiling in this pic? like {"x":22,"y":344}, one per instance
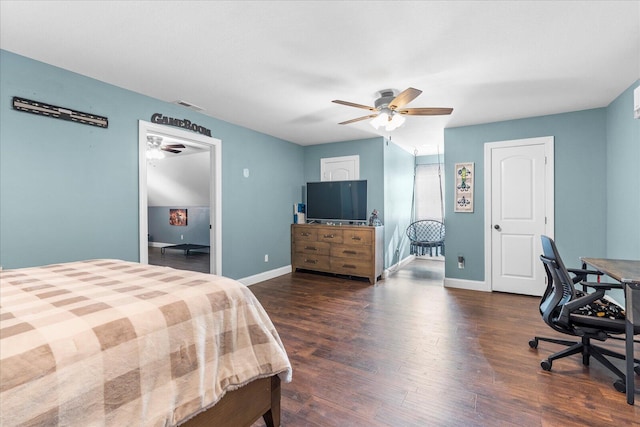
{"x":275,"y":66}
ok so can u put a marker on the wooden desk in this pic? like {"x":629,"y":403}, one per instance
{"x":628,"y":273}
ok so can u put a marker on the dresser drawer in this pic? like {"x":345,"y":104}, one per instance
{"x":330,"y":234}
{"x":352,"y":252}
{"x":311,"y":261}
{"x":308,"y":247}
{"x":307,"y":234}
{"x":351,"y":266}
{"x":362,"y":236}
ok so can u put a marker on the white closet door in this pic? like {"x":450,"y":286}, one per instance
{"x":340,"y":168}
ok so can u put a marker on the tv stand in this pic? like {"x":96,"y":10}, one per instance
{"x":351,"y":250}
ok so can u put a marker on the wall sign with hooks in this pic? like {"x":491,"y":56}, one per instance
{"x":48,"y":110}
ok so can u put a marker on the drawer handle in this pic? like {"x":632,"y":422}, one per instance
{"x":350,"y":252}
{"x":348,"y":266}
{"x":311,"y":261}
{"x":310,"y":248}
{"x":305,"y":234}
{"x":356,"y":238}
{"x":329,"y":236}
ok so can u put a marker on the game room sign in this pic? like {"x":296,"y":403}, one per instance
{"x":184,"y":123}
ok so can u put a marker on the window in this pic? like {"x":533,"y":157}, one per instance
{"x":428,"y":192}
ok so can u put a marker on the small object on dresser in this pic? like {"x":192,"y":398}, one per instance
{"x":374,"y":220}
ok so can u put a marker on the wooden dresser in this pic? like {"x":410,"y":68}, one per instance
{"x":340,"y":249}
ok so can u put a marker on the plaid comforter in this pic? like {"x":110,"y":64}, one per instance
{"x":107,"y":342}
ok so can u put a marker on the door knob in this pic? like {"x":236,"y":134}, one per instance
{"x":497,"y":227}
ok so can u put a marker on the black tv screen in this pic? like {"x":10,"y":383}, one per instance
{"x":337,"y":200}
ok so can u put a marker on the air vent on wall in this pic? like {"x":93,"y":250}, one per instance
{"x":188,"y":105}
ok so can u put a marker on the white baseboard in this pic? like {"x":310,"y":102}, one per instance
{"x":266,"y":275}
{"x":159,"y":244}
{"x":472,"y":285}
{"x":395,"y":267}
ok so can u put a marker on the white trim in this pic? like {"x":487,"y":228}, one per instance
{"x":215,"y":197}
{"x":548,"y":142}
{"x":397,"y":266}
{"x":265,"y":275}
{"x":471,"y":285}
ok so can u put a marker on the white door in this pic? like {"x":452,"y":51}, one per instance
{"x":521,"y":209}
{"x":340,"y":168}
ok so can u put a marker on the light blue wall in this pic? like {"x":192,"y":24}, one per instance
{"x":580,"y":185}
{"x":195,"y":232}
{"x":70,"y":191}
{"x":430,"y":159}
{"x":371,"y":166}
{"x":623,"y":179}
{"x":398,"y":192}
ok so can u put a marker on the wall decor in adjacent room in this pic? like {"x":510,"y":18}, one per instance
{"x":464,"y":187}
{"x":178,"y":217}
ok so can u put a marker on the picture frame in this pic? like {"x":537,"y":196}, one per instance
{"x":464,"y":179}
{"x":178,"y":217}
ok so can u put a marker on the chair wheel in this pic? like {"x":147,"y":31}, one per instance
{"x":620,"y":386}
{"x":533,"y":343}
{"x":546,"y":364}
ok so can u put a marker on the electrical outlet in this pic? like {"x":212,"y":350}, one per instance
{"x":460,"y":262}
{"x":266,"y":258}
{"x":182,"y":237}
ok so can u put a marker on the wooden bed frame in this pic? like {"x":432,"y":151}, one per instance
{"x":244,"y":406}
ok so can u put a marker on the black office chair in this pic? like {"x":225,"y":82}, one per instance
{"x":581,"y":314}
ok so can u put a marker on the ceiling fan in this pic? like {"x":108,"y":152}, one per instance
{"x":155,"y":143}
{"x":155,"y":148}
{"x":388,"y":111}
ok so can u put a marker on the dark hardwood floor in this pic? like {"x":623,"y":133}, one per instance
{"x":409,"y":352}
{"x":195,"y":261}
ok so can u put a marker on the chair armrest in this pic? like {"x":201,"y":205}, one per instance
{"x":603,"y":286}
{"x":571,"y":306}
{"x":583,"y":272}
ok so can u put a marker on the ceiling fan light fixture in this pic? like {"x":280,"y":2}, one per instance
{"x":155,"y":154}
{"x":396,"y":121}
{"x":381,"y":119}
{"x":389,"y":119}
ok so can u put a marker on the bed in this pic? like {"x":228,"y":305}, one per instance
{"x":110,"y":342}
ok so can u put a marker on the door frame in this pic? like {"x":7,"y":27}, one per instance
{"x":548,"y":143}
{"x":215,"y":188}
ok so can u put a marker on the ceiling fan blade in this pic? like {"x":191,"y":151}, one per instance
{"x":370,"y":116}
{"x":174,"y":146}
{"x":404,"y":97}
{"x":170,"y":150}
{"x":352,"y":104}
{"x":426,"y":111}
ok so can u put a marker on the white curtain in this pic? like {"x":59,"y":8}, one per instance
{"x":427,"y":196}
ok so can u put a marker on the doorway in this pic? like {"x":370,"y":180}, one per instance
{"x":213,"y":146}
{"x":519,"y":207}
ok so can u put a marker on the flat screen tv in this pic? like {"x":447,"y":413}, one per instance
{"x":337,"y":201}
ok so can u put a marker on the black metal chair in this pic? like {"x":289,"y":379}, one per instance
{"x":425,"y":236}
{"x":585,"y":315}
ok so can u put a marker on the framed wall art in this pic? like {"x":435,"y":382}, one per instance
{"x":178,"y":217}
{"x":464,"y":187}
